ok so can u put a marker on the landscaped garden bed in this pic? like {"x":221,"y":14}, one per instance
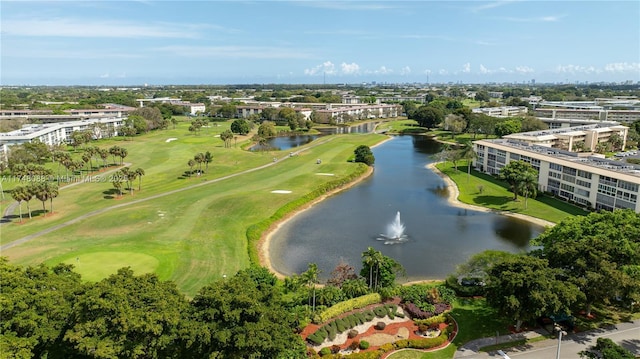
{"x":377,"y":329}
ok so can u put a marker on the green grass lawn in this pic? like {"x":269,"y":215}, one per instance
{"x":196,"y":235}
{"x":484,"y":190}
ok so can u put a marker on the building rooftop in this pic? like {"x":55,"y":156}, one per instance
{"x":593,"y":161}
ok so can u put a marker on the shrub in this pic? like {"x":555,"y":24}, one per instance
{"x":416,"y":312}
{"x":352,"y":334}
{"x":335,"y":349}
{"x":324,"y":351}
{"x":354,"y":345}
{"x":364,"y":344}
{"x":380,"y":325}
{"x":347,"y":305}
{"x":422,"y":327}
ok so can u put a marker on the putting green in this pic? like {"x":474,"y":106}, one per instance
{"x":99,"y":265}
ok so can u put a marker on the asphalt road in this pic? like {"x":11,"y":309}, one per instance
{"x":624,"y":334}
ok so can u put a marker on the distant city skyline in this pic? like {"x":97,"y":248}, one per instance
{"x":315,"y":42}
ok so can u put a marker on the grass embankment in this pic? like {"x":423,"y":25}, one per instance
{"x":483,"y":190}
{"x":196,"y":235}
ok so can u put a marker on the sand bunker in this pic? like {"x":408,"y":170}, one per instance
{"x":170,"y":139}
{"x":280,"y":191}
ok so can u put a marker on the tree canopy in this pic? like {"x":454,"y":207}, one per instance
{"x":515,"y":173}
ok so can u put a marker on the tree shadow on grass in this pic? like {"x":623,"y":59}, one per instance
{"x":110,"y":193}
{"x":501,"y":201}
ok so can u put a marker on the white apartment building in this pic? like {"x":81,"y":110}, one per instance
{"x":590,"y":181}
{"x":345,"y":114}
{"x":504,"y":111}
{"x":58,"y":133}
{"x":598,"y":114}
{"x":586,"y":137}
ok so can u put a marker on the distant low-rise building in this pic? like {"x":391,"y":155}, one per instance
{"x":503,"y":111}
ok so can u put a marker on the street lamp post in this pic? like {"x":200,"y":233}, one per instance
{"x":560,"y":334}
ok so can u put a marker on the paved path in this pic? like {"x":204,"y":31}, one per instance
{"x":106,"y":209}
{"x":626,"y":334}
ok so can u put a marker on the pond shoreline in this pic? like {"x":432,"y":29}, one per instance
{"x":265,"y":240}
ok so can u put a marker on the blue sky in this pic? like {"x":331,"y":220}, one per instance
{"x":246,"y":42}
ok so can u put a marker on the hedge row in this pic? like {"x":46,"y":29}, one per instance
{"x":347,"y":305}
{"x":340,"y":325}
{"x":255,"y":231}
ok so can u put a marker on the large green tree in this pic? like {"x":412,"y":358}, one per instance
{"x":508,"y":127}
{"x":240,"y":317}
{"x":127,"y":316}
{"x":524,"y":288}
{"x":428,"y":116}
{"x":36,"y":304}
{"x":363,"y":154}
{"x":240,"y":126}
{"x":515,"y":173}
{"x":598,"y":252}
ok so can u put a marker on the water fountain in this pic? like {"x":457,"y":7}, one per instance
{"x":395,"y":232}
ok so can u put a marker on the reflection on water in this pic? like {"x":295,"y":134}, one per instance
{"x":284,"y":142}
{"x":440,"y":236}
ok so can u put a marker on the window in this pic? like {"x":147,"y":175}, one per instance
{"x":555,"y":166}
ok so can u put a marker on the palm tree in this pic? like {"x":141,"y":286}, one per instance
{"x":199,"y":158}
{"x":191,"y":163}
{"x":139,"y":173}
{"x":115,"y":152}
{"x":117,"y":183}
{"x":310,"y":277}
{"x":528,"y":185}
{"x":104,"y":154}
{"x":131,"y":176}
{"x":44,"y":191}
{"x":208,"y":158}
{"x":372,"y":259}
{"x":18,"y":194}
{"x":123,"y":153}
{"x":469,"y":154}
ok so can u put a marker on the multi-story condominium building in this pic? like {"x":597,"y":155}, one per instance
{"x":579,"y":138}
{"x":598,"y":114}
{"x":587,"y":180}
{"x":346,"y":114}
{"x":58,"y":133}
{"x":504,"y":111}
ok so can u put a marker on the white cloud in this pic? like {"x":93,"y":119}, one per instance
{"x":104,"y":76}
{"x":622,"y":67}
{"x":534,"y":19}
{"x":443,"y":72}
{"x":69,"y":27}
{"x":524,"y":69}
{"x":427,"y":72}
{"x":405,"y":71}
{"x":350,"y":69}
{"x":572,"y":69}
{"x":483,"y":70}
{"x":466,"y":68}
{"x":325,"y":68}
{"x":382,"y":70}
